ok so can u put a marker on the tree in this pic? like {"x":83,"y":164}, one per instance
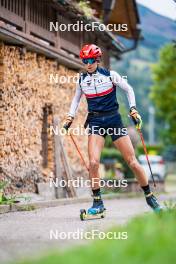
{"x":163,"y":92}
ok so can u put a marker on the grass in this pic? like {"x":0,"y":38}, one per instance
{"x":151,"y":239}
{"x":12,"y":199}
{"x":27,"y":207}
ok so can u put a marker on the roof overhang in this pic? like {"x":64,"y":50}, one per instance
{"x":123,"y":12}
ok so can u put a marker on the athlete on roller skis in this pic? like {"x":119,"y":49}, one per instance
{"x":100,"y":87}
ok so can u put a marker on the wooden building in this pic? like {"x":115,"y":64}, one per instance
{"x":29,"y":53}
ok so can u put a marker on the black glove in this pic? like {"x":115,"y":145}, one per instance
{"x":68,"y":121}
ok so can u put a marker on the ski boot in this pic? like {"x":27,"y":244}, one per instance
{"x":153,"y":203}
{"x":96,"y":211}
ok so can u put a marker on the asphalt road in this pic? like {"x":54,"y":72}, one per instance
{"x":29,"y":233}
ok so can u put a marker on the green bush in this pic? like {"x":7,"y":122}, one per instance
{"x":114,"y":154}
{"x":108,"y":142}
{"x":151,"y":149}
{"x":110,"y":153}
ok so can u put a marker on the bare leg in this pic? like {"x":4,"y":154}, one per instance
{"x":95,"y":146}
{"x":126,"y":148}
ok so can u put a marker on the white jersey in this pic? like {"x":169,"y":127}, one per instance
{"x":100,"y":89}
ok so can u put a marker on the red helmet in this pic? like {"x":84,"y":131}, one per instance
{"x":90,"y":51}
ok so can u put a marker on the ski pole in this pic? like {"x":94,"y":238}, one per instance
{"x":81,"y":156}
{"x":146,"y":154}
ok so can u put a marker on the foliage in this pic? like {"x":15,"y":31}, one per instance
{"x":163,"y":92}
{"x":2,"y":185}
{"x":151,"y":240}
{"x":151,"y":149}
{"x":84,"y":6}
{"x":3,"y":198}
{"x":8,"y":199}
{"x":136,"y":65}
{"x":114,"y":154}
{"x":27,"y":207}
{"x":170,"y":153}
{"x":110,"y":153}
{"x":170,"y":205}
{"x":108,"y":142}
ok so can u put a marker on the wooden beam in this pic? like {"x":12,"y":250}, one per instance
{"x":61,"y":155}
{"x":60,"y":192}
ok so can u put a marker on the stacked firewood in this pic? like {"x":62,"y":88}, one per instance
{"x":26,"y":89}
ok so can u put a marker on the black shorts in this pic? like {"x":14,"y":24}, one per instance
{"x":106,"y":125}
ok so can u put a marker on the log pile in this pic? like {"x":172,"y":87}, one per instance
{"x":25,"y":90}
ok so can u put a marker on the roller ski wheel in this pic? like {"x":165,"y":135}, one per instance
{"x":84,"y":215}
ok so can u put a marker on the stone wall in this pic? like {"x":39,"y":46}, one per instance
{"x":26,"y":91}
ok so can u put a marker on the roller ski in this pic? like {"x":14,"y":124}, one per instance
{"x":153,"y":203}
{"x":97,"y":210}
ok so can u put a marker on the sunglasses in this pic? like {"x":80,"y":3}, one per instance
{"x":90,"y":61}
